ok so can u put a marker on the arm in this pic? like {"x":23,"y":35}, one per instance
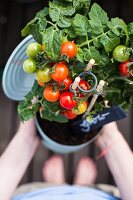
{"x":119,"y":158}
{"x":16,"y":158}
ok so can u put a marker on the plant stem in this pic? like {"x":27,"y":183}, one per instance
{"x":53,"y":25}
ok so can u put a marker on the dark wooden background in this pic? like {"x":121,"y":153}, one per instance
{"x":14,"y":15}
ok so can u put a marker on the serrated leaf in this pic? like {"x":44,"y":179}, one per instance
{"x":52,"y":42}
{"x":26,"y":30}
{"x":110,"y":41}
{"x":81,"y":25}
{"x":64,"y":22}
{"x":56,"y":11}
{"x":91,"y":53}
{"x":98,"y":19}
{"x":42,"y":13}
{"x":117,"y":25}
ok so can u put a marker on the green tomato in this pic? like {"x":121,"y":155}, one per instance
{"x":44,"y":75}
{"x":32,"y":49}
{"x":29,"y":66}
{"x":121,"y":53}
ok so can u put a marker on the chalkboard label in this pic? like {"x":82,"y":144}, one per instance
{"x":111,"y":114}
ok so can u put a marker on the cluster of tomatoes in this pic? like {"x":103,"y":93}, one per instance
{"x":55,"y":79}
{"x":122,"y":54}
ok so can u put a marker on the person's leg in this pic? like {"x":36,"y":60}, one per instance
{"x":53,"y":170}
{"x":86,"y":172}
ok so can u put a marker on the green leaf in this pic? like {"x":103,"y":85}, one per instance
{"x":52,"y":42}
{"x":130,"y":28}
{"x":98,"y":19}
{"x":42,"y":13}
{"x":110,"y":41}
{"x":91,"y":53}
{"x":26,"y":30}
{"x":117,"y":25}
{"x":64,"y":22}
{"x":80,"y":55}
{"x":81,"y":25}
{"x":56,"y":11}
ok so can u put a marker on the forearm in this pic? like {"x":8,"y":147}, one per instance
{"x":119,"y":159}
{"x":16,"y":158}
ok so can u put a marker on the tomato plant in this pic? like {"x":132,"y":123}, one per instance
{"x":66,"y":84}
{"x":51,"y":94}
{"x":121,"y":53}
{"x":44,"y":75}
{"x":60,"y":72}
{"x":69,"y":114}
{"x":67,"y":101}
{"x":80,"y":108}
{"x":69,"y":48}
{"x":29,"y":66}
{"x":32,"y":49}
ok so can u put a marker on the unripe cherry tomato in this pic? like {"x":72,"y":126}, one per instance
{"x":32,"y":49}
{"x":44,"y":75}
{"x":60,"y":72}
{"x":121,"y":53}
{"x":67,"y":101}
{"x":50,"y":94}
{"x":69,"y":114}
{"x":80,"y":108}
{"x":69,"y":48}
{"x":29,"y":66}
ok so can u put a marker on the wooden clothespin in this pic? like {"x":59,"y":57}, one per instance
{"x":76,"y":83}
{"x":90,"y":65}
{"x":99,"y":89}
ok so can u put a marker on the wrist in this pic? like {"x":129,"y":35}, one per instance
{"x":108,"y":135}
{"x":27,"y":132}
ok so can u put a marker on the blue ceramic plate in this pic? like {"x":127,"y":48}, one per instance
{"x":16,"y":83}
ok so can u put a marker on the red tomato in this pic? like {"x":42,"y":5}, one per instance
{"x":60,"y":72}
{"x":69,"y":48}
{"x":50,"y":94}
{"x":69,"y":114}
{"x":66,"y":100}
{"x":66,"y":83}
{"x":124,"y":68}
{"x":84,"y":85}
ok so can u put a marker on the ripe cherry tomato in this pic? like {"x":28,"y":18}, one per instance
{"x":84,"y":85}
{"x":32,"y":49}
{"x":67,"y":101}
{"x":44,"y":75}
{"x":66,"y":84}
{"x":69,"y":114}
{"x":80,"y":108}
{"x":121,"y":53}
{"x":60,"y":72}
{"x":69,"y":48}
{"x":29,"y":66}
{"x":40,"y":83}
{"x":50,"y":94}
{"x":124,"y":68}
